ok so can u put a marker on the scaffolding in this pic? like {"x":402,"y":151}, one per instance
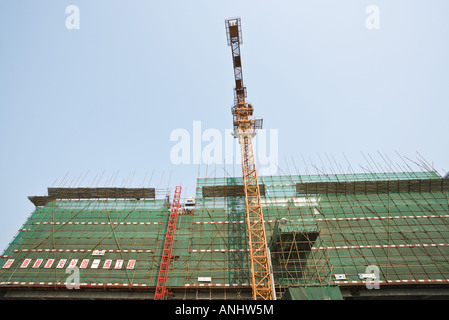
{"x":329,"y":238}
{"x":111,"y":240}
{"x":322,"y":231}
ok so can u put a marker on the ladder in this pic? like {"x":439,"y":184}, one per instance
{"x":168,"y":244}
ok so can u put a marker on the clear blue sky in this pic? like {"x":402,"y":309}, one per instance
{"x":103,"y":100}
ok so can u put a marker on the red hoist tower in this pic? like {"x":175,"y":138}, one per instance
{"x":168,"y":244}
{"x":244,"y":130}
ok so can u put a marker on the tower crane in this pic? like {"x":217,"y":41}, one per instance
{"x":244,"y":131}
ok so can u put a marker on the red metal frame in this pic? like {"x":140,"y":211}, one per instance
{"x":166,"y":255}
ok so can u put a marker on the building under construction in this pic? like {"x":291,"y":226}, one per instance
{"x":323,"y":236}
{"x":329,"y":236}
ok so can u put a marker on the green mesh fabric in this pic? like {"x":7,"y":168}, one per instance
{"x":404,"y":234}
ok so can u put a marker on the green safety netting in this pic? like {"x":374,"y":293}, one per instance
{"x":313,"y":293}
{"x":312,"y":238}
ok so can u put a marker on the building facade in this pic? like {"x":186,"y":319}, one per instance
{"x":351,"y":236}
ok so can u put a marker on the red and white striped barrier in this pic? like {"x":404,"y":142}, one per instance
{"x":96,"y":223}
{"x":126,"y":285}
{"x":411,"y":281}
{"x":218,"y":250}
{"x":118,"y":285}
{"x":381,"y":218}
{"x":217,"y":285}
{"x":227,"y":222}
{"x":385,"y":246}
{"x":78,"y":250}
{"x":334,"y":219}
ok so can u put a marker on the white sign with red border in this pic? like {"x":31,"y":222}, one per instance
{"x":37,"y":263}
{"x":107,"y":264}
{"x":8,"y":264}
{"x":73,"y":263}
{"x":49,"y":263}
{"x":25,"y":263}
{"x":95,"y":264}
{"x":61,"y":263}
{"x":118,"y":264}
{"x":84,"y":264}
{"x":131,"y":264}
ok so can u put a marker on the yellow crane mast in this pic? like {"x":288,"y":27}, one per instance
{"x":244,"y":130}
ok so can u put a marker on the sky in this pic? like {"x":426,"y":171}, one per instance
{"x":104,"y":95}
